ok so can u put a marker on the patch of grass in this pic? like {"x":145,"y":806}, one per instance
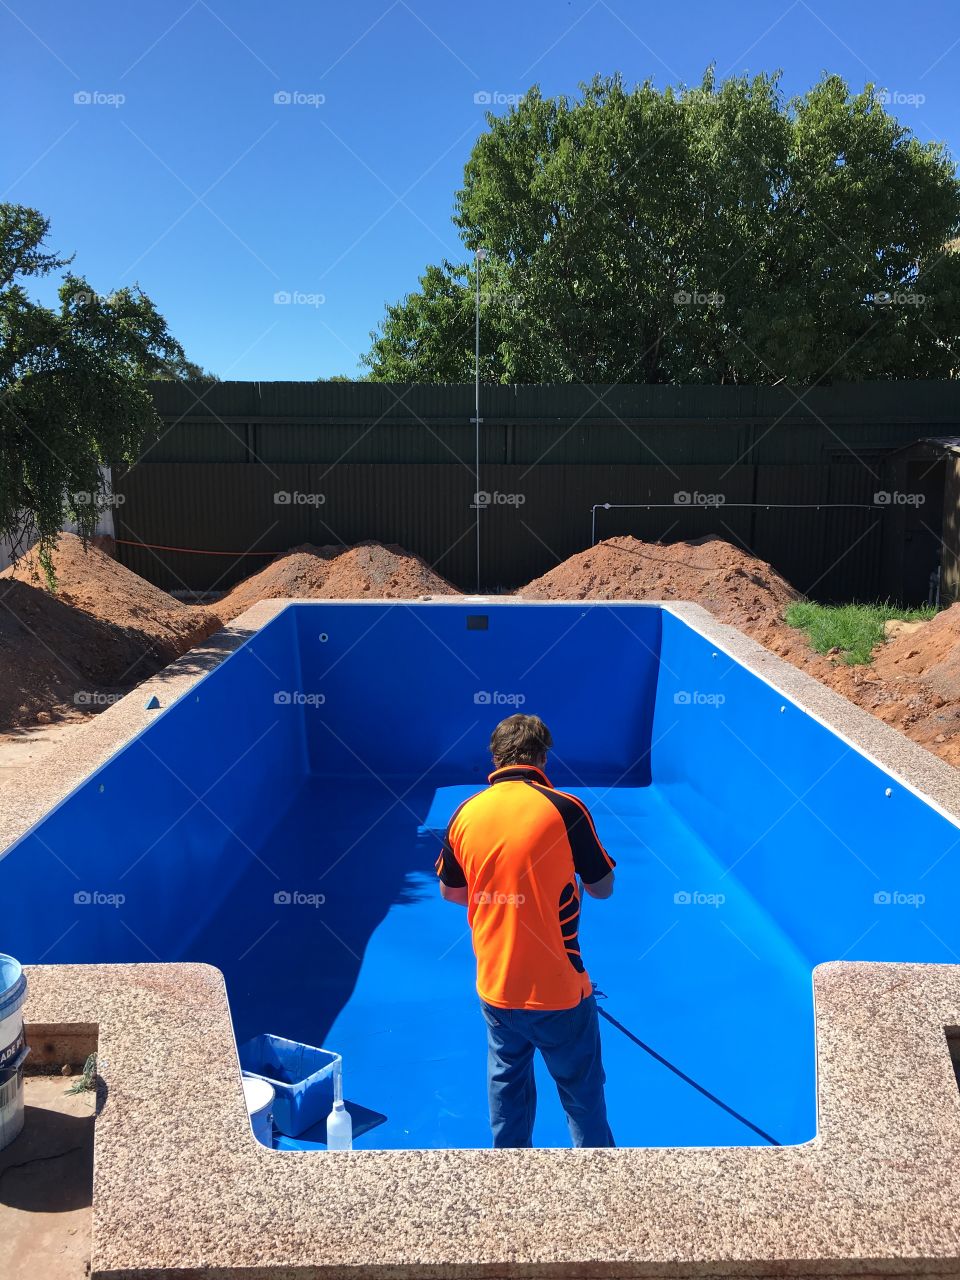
{"x":855,"y":629}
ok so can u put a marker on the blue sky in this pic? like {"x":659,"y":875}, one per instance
{"x":214,"y":198}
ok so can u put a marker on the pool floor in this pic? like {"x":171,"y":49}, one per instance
{"x":382,"y":971}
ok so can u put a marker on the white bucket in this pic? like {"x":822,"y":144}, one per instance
{"x":259,"y":1096}
{"x":13,"y":1050}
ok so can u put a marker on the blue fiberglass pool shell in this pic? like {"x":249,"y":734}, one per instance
{"x":281,"y":821}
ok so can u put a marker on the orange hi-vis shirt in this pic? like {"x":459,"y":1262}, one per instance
{"x":518,"y":847}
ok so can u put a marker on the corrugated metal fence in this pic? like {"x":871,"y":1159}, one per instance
{"x":253,"y":468}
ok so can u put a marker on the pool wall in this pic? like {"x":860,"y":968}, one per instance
{"x":186,"y":1191}
{"x":398,"y":690}
{"x":811,"y":820}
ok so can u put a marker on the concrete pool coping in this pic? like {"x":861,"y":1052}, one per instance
{"x":182,"y":1189}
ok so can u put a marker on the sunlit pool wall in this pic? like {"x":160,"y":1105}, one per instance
{"x":782,"y":803}
{"x":145,"y":824}
{"x":415,"y":689}
{"x":852,"y":863}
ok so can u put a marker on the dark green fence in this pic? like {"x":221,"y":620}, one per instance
{"x":246,"y":469}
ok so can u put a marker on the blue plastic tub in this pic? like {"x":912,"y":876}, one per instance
{"x":302,"y":1079}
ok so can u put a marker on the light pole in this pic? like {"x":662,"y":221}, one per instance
{"x":480,"y":257}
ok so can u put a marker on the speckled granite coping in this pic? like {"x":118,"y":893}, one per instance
{"x":181,"y":1189}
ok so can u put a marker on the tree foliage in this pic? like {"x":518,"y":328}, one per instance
{"x":712,"y":234}
{"x":73,"y":393}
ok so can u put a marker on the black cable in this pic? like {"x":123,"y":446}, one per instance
{"x":683,"y":1076}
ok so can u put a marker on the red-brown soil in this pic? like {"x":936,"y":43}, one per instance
{"x":369,"y":570}
{"x":913,"y":682}
{"x":104,"y":629}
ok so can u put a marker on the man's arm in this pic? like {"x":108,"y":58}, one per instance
{"x":453,"y":883}
{"x":600,"y":888}
{"x":591,"y":861}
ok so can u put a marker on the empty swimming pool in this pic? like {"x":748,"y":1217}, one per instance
{"x":282,"y":820}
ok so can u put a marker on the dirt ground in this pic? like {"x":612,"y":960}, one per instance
{"x":67,"y":655}
{"x":46,"y":1185}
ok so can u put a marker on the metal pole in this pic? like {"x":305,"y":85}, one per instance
{"x":476,"y":492}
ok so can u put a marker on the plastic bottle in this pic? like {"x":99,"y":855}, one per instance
{"x":339,"y":1124}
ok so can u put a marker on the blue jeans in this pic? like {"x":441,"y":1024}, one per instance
{"x":569,"y":1040}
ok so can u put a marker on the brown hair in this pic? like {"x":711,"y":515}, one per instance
{"x":520,"y":740}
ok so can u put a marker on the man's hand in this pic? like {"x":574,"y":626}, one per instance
{"x":600,"y":888}
{"x":459,"y":896}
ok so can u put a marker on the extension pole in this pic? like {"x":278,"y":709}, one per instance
{"x":481,"y":254}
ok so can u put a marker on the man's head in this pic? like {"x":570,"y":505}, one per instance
{"x":520,"y":740}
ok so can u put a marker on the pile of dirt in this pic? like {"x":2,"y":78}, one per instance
{"x":735,"y":586}
{"x":68,"y":653}
{"x":103,"y":630}
{"x":913,"y":682}
{"x":369,"y":570}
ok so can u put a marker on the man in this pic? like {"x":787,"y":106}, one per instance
{"x":511,"y":856}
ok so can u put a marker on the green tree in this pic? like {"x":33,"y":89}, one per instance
{"x":711,"y":234}
{"x":73,"y":387}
